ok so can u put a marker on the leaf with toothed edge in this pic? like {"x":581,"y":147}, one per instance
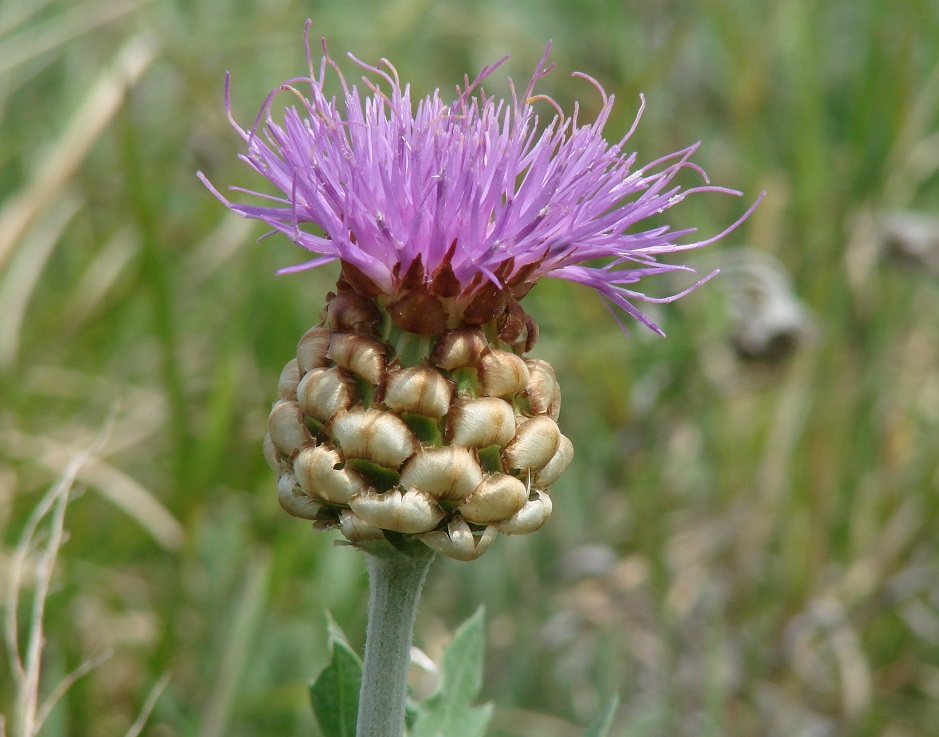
{"x":449,"y":711}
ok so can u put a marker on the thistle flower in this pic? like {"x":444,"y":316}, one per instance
{"x":411,"y":408}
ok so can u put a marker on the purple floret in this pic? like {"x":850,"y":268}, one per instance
{"x":476,"y":185}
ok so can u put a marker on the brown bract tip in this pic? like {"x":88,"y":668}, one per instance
{"x":355,"y":279}
{"x":521,"y":276}
{"x":531,"y":332}
{"x":419,"y":312}
{"x":485,"y":305}
{"x":413,"y":277}
{"x":512,"y":322}
{"x":443,"y":282}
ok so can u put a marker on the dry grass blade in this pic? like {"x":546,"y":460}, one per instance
{"x":899,"y":533}
{"x":216,"y":250}
{"x":143,"y":410}
{"x":116,"y":486}
{"x":20,"y":279}
{"x":64,"y":157}
{"x":26,"y":667}
{"x":66,"y":683}
{"x":70,"y":24}
{"x":137,"y":727}
{"x":101,"y":275}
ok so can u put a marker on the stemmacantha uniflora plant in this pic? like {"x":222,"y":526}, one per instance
{"x":412,"y":407}
{"x":412,"y":418}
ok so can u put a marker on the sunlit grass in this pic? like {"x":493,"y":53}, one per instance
{"x":737,"y":549}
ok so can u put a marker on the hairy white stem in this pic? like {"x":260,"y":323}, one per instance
{"x":395,"y":581}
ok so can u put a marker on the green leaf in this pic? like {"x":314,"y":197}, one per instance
{"x":601,"y":725}
{"x":449,"y":711}
{"x":335,"y":692}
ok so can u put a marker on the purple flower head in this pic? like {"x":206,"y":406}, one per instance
{"x":462,"y":202}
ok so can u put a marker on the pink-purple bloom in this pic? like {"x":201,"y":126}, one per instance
{"x":476,"y":187}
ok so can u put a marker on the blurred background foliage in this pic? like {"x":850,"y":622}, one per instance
{"x":746,"y":541}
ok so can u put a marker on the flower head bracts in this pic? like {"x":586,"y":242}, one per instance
{"x":454,"y":200}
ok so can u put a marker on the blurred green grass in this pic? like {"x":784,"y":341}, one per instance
{"x":738,"y":550}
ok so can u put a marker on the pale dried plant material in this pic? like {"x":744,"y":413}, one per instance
{"x":325,"y":390}
{"x":408,"y":511}
{"x":31,"y":709}
{"x":418,"y":389}
{"x":497,"y":497}
{"x":141,"y":721}
{"x":26,"y":665}
{"x":479,"y":423}
{"x":770,"y":321}
{"x":322,"y":475}
{"x":446,"y":456}
{"x":62,"y":159}
{"x":450,"y":473}
{"x":530,"y":517}
{"x":19,"y":279}
{"x":117,"y":487}
{"x":289,"y":378}
{"x":459,"y":541}
{"x":910,"y":237}
{"x":293,"y":500}
{"x":534,"y":445}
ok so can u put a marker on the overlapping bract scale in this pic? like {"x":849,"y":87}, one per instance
{"x":452,"y":448}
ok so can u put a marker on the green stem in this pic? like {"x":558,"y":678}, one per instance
{"x":395,"y":580}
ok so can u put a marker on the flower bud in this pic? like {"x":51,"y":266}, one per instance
{"x":315,"y":468}
{"x":288,"y":433}
{"x":287,"y":384}
{"x":450,"y":472}
{"x":458,"y":541}
{"x":459,"y":348}
{"x":535,"y":443}
{"x":360,"y":355}
{"x":357,"y":530}
{"x":311,"y":350}
{"x":498,"y":497}
{"x":322,"y":391}
{"x":557,"y":465}
{"x":293,"y":500}
{"x":351,"y":311}
{"x":376,"y":436}
{"x":409,"y":512}
{"x":502,"y":373}
{"x":479,"y":423}
{"x":541,"y":385}
{"x":529,"y":518}
{"x":419,"y":389}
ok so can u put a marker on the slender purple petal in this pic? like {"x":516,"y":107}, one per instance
{"x":389,"y":180}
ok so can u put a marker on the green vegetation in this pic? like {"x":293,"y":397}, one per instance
{"x":738,"y":548}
